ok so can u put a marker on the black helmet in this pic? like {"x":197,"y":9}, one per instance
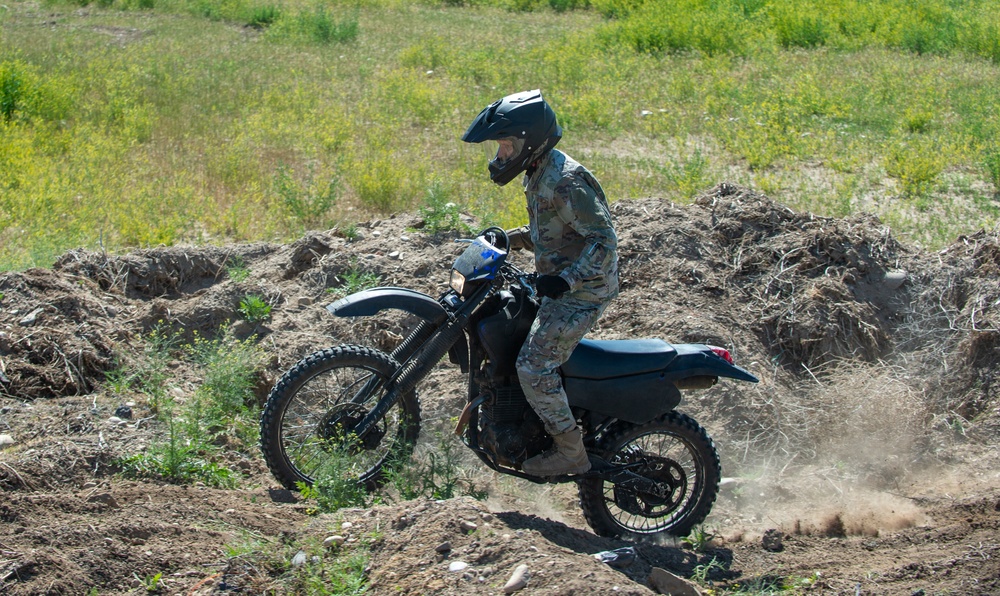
{"x":523,"y":124}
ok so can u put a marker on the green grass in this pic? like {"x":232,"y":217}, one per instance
{"x":339,"y":571}
{"x":147,"y":122}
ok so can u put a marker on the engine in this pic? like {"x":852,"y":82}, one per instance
{"x":509,"y":427}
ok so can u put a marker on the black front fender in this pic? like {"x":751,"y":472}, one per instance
{"x":372,"y":301}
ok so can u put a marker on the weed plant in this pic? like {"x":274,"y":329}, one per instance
{"x":336,"y":484}
{"x":221,"y":413}
{"x":147,"y":375}
{"x":236,"y":269}
{"x":254,"y":309}
{"x":147,"y":122}
{"x":435,"y":471}
{"x":324,"y":572}
{"x":440,"y":213}
{"x":354,"y":280}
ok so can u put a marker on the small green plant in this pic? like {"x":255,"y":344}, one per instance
{"x":688,"y":175}
{"x":254,"y":309}
{"x":180,"y":459}
{"x":317,"y":24}
{"x":700,"y":539}
{"x":355,"y":280}
{"x":263,"y":17}
{"x":439,"y":213}
{"x":151,"y":582}
{"x":222,"y":411}
{"x":224,"y":403}
{"x":322,"y":572}
{"x":435,"y":474}
{"x":701,"y":572}
{"x":12,"y":89}
{"x":349,"y":232}
{"x":991,"y":164}
{"x":326,"y":574}
{"x":915,"y":168}
{"x":236,"y":269}
{"x":337,"y":484}
{"x":150,"y":372}
{"x":119,"y":380}
{"x":917,"y":120}
{"x":307,"y":200}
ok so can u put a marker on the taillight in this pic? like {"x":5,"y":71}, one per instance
{"x":722,"y":353}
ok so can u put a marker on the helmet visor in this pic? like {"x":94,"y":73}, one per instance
{"x":507,"y":149}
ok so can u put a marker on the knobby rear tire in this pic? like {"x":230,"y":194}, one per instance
{"x":307,"y":419}
{"x":694,"y":466}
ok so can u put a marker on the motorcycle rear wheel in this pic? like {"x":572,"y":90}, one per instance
{"x":673,"y":450}
{"x":305,"y":429}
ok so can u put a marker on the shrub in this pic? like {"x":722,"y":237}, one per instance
{"x":307,"y":200}
{"x":441,"y":214}
{"x":317,"y":24}
{"x":434,"y":472}
{"x":798,"y":26}
{"x":991,"y":165}
{"x":915,"y":167}
{"x":12,"y":89}
{"x":222,"y":406}
{"x":263,"y":17}
{"x":337,"y":485}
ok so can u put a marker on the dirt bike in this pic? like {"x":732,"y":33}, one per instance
{"x":654,"y":470}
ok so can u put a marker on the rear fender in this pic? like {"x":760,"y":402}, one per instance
{"x":698,"y":360}
{"x":641,"y":398}
{"x":372,"y":301}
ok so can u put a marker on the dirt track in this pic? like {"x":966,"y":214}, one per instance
{"x":870,"y":447}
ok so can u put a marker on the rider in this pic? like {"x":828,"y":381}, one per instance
{"x":576,"y":258}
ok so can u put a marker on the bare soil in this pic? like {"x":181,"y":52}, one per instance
{"x":865,"y":462}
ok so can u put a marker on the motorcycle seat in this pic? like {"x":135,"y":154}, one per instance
{"x":611,"y":358}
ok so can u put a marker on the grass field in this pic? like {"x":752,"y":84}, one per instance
{"x":130,"y":123}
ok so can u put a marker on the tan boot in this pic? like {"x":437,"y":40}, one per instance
{"x":566,"y":457}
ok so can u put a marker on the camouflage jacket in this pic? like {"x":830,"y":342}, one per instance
{"x":571,"y":229}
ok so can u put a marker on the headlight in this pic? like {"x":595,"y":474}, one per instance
{"x":457,"y":281}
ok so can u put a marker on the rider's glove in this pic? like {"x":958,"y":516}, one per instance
{"x":551,"y":286}
{"x":520,"y":239}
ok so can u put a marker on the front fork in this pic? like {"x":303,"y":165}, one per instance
{"x":422,"y":350}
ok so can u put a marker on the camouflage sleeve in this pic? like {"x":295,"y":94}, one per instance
{"x":582,"y":209}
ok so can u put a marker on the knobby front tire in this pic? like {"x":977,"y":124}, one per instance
{"x":307,"y":423}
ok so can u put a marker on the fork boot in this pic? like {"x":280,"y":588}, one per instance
{"x":567,"y":456}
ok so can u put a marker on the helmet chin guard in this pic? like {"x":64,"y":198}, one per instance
{"x":525,"y":122}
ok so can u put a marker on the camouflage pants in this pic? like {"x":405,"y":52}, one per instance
{"x":557,"y":329}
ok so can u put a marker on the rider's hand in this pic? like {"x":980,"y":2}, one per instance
{"x":551,"y":286}
{"x":520,"y":239}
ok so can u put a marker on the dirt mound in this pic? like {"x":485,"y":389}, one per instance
{"x":879,"y":395}
{"x":59,"y":334}
{"x":816,"y":289}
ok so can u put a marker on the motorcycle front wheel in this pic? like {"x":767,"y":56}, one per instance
{"x":678,"y":455}
{"x":306,"y":429}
